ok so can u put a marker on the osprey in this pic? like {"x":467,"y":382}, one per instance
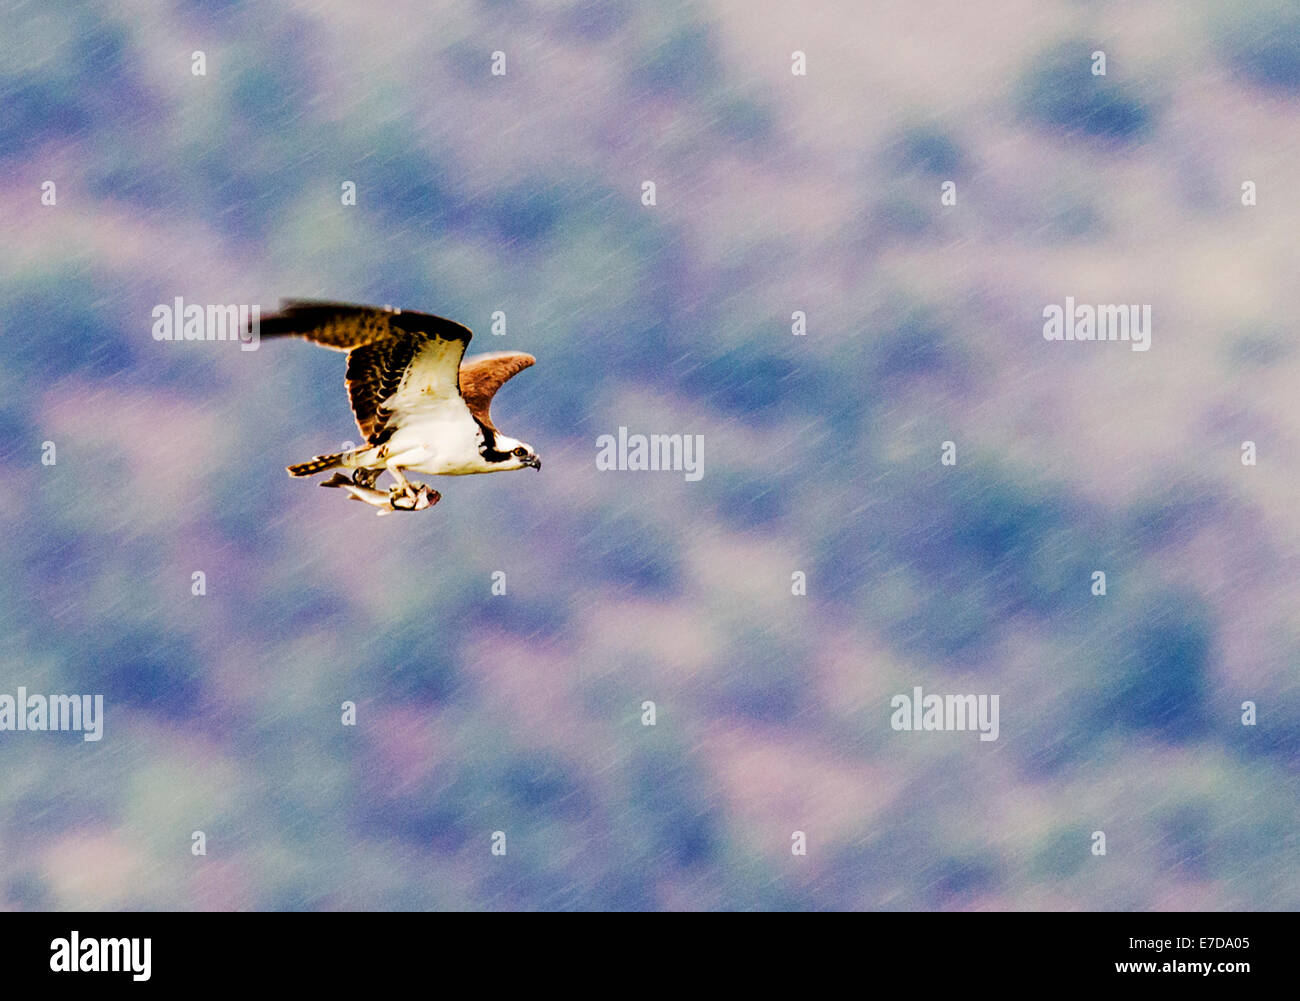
{"x":420,"y":404}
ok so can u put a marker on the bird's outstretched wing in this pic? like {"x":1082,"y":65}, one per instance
{"x":482,"y":375}
{"x":394,"y":355}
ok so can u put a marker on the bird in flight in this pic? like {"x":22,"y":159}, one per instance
{"x":420,"y":404}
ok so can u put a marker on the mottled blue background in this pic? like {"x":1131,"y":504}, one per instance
{"x":775,"y":193}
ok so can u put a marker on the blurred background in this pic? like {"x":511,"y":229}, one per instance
{"x":775,"y":193}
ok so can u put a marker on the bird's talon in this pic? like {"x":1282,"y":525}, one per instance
{"x":419,"y":497}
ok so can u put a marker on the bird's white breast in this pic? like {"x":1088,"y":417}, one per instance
{"x":437,"y":436}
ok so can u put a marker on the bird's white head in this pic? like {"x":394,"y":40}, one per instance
{"x":518,"y":454}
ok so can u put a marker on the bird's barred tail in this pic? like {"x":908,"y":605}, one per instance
{"x":317,"y":465}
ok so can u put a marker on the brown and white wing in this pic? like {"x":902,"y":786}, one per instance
{"x":482,"y":375}
{"x":394,"y":356}
{"x":374,"y":373}
{"x":338,"y":325}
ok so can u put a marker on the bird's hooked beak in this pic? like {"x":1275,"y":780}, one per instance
{"x":533,"y":460}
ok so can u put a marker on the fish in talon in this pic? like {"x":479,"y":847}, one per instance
{"x":388,"y":501}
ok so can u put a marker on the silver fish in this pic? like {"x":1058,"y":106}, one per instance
{"x":386,"y":501}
